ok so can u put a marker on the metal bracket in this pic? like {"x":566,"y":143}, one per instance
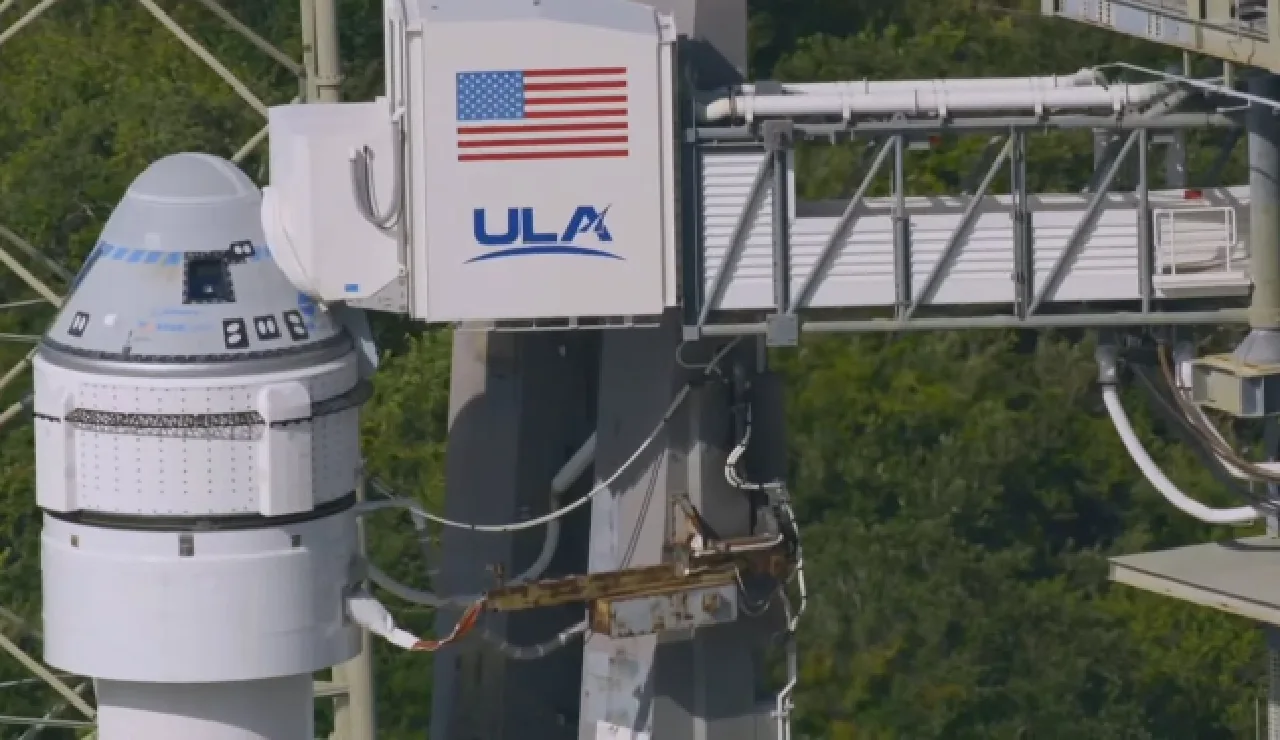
{"x":778,"y":135}
{"x":782,"y":330}
{"x":703,"y":569}
{"x":1243,"y":390}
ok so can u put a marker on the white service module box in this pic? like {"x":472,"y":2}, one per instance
{"x":541,"y":160}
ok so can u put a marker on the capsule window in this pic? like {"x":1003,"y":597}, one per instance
{"x":207,"y":280}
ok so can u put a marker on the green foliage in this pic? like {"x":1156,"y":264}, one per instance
{"x":960,"y":492}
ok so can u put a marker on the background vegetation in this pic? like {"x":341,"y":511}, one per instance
{"x":960,"y":491}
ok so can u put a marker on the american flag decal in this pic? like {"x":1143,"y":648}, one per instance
{"x":547,"y":114}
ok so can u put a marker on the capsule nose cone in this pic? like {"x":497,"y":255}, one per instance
{"x":191,"y":178}
{"x":182,"y":274}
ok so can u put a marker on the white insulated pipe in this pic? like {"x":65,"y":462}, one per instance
{"x":931,"y":102}
{"x":1084,"y":77}
{"x":1241,"y":515}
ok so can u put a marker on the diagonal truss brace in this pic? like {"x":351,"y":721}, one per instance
{"x":847,"y":219}
{"x":1090,"y":217}
{"x":961,"y":231}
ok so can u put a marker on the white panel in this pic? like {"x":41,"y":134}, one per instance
{"x":241,"y":605}
{"x":726,"y":185}
{"x":863,"y":267}
{"x":284,"y":450}
{"x":1104,"y":267}
{"x":213,"y":471}
{"x":335,"y":454}
{"x":150,"y":474}
{"x":319,"y":238}
{"x":981,"y":268}
{"x":55,"y":443}
{"x":549,"y":260}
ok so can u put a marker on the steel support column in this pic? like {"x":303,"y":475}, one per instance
{"x":520,"y":405}
{"x":677,"y":685}
{"x":1264,"y":210}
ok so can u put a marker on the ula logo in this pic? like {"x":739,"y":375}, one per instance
{"x":518,"y":234}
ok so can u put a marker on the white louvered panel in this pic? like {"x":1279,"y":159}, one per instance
{"x":727,"y":178}
{"x":1103,"y":267}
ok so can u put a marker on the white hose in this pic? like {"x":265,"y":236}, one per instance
{"x":414,"y":506}
{"x":560,"y":483}
{"x":569,"y":473}
{"x":369,"y":613}
{"x":1241,"y":515}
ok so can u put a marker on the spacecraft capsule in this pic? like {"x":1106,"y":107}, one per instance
{"x":197,"y":451}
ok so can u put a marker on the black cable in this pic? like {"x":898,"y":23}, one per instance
{"x":1190,"y":436}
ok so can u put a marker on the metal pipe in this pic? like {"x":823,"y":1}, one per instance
{"x":353,"y":710}
{"x":980,"y":125}
{"x":1146,"y":239}
{"x":52,"y":714}
{"x":328,"y":58}
{"x":1084,"y":77}
{"x":921,"y":102}
{"x":307,"y":20}
{"x":18,"y":369}
{"x":1222,"y":88}
{"x":1264,"y":205}
{"x":256,"y":140}
{"x":1273,"y":684}
{"x":37,"y":668}
{"x":33,"y":252}
{"x":25,"y":19}
{"x":14,"y":409}
{"x":901,"y":226}
{"x":947,"y":323}
{"x":34,"y":282}
{"x":252,"y":37}
{"x":205,"y":56}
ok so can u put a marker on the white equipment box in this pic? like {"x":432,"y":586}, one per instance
{"x":538,"y":150}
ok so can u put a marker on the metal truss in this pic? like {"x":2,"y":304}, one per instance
{"x":1127,"y":137}
{"x":318,"y":79}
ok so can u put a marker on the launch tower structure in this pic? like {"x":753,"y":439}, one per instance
{"x":607,"y":209}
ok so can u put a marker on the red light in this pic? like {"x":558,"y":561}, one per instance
{"x":1192,"y":194}
{"x":935,"y":140}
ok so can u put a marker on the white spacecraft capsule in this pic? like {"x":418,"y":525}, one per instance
{"x":197,"y":454}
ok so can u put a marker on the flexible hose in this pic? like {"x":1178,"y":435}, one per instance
{"x":362,"y":181}
{"x":413,"y":506}
{"x":1241,"y":515}
{"x":531,"y":652}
